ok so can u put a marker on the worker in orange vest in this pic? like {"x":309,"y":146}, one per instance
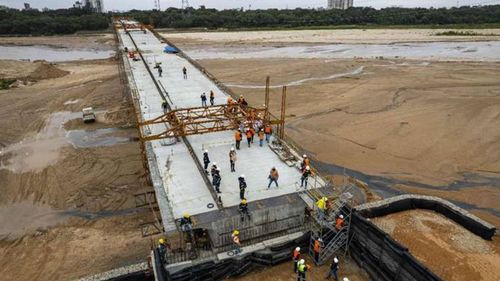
{"x":339,"y":222}
{"x":252,"y":131}
{"x":261,"y":137}
{"x":318,"y":244}
{"x":268,"y":130}
{"x":296,"y":258}
{"x":237,"y":138}
{"x":249,"y":137}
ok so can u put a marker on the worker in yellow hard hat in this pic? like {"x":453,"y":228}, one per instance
{"x":162,"y":248}
{"x":243,"y":209}
{"x":236,"y":240}
{"x":186,"y":223}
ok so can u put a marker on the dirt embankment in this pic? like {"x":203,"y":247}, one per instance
{"x":448,"y":249}
{"x":68,"y":210}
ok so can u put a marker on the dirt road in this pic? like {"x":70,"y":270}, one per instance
{"x":448,"y":249}
{"x":67,"y":205}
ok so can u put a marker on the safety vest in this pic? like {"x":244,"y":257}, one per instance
{"x":296,"y":255}
{"x":321,"y":204}
{"x":237,"y":136}
{"x":268,"y":130}
{"x":339,"y":223}
{"x":317,"y":246}
{"x":249,"y":134}
{"x":302,"y":268}
{"x":261,"y":135}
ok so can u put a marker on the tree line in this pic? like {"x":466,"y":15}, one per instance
{"x":67,"y":21}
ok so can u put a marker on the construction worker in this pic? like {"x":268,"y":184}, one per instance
{"x":252,"y":131}
{"x":318,"y":245}
{"x":213,"y":170}
{"x":296,"y":258}
{"x":206,"y":160}
{"x":261,"y":137}
{"x":334,"y":268}
{"x":273,"y":177}
{"x":302,"y":268}
{"x":321,"y":204}
{"x":305,"y":175}
{"x":241,"y":99}
{"x":305,"y":162}
{"x":243,"y":186}
{"x":212,"y":97}
{"x":236,"y":240}
{"x":160,"y":70}
{"x":232,"y":159}
{"x":184,"y":72}
{"x":186,"y":223}
{"x":339,"y":222}
{"x":243,"y":209}
{"x":237,"y":138}
{"x":249,"y":137}
{"x":230,"y":101}
{"x":216,"y":180}
{"x":162,"y":248}
{"x":203,"y":99}
{"x":268,"y":130}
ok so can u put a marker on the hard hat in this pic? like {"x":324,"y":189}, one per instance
{"x":214,"y":163}
{"x":320,"y":240}
{"x":335,"y":260}
{"x":325,"y":198}
{"x":345,"y":279}
{"x":232,"y":148}
{"x":236,"y":232}
{"x":206,"y":150}
{"x":218,"y":169}
{"x":302,"y":261}
{"x":297,"y":249}
{"x":305,"y":156}
{"x":242,"y":176}
{"x":244,"y":201}
{"x":341,"y":216}
{"x":162,"y":241}
{"x":308,"y":168}
{"x":186,"y":215}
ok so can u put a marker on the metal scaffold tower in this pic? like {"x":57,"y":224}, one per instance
{"x":333,"y":239}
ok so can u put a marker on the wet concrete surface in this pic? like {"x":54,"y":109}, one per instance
{"x":96,"y":138}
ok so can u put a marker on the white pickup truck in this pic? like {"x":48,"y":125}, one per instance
{"x":88,"y":115}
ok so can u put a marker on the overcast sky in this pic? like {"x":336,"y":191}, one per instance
{"x":255,"y":4}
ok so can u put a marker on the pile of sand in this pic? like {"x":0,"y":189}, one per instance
{"x":46,"y":71}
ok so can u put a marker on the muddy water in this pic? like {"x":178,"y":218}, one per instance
{"x":43,"y":149}
{"x":476,"y":51}
{"x":51,"y":54}
{"x":20,"y":218}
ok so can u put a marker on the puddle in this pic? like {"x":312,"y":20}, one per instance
{"x":99,"y":137}
{"x":482,"y":51}
{"x":42,"y":150}
{"x":37,"y":152}
{"x":357,"y":71}
{"x":20,"y":218}
{"x":52,"y":54}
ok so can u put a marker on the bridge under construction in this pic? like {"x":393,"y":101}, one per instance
{"x":175,"y":130}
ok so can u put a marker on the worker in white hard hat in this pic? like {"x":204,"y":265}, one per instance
{"x":213,"y":169}
{"x":305,"y":176}
{"x":216,"y":179}
{"x":296,"y":258}
{"x":302,"y":268}
{"x":334,"y":268}
{"x":322,"y":207}
{"x":206,"y":160}
{"x":305,"y":162}
{"x":339,"y":222}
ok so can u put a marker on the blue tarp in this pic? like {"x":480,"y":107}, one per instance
{"x":170,"y":50}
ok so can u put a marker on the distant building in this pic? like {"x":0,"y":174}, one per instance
{"x":27,"y":6}
{"x":94,"y":5}
{"x":340,"y":4}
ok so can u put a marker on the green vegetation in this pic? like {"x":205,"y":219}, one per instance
{"x":64,"y":21}
{"x":72,"y":20}
{"x":5,"y":83}
{"x":305,"y":18}
{"x":461,"y":33}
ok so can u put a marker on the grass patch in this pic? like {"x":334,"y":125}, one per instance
{"x":462,"y":33}
{"x":5,"y":83}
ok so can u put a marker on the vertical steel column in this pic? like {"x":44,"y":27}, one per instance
{"x":283,"y":112}
{"x":266,"y":100}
